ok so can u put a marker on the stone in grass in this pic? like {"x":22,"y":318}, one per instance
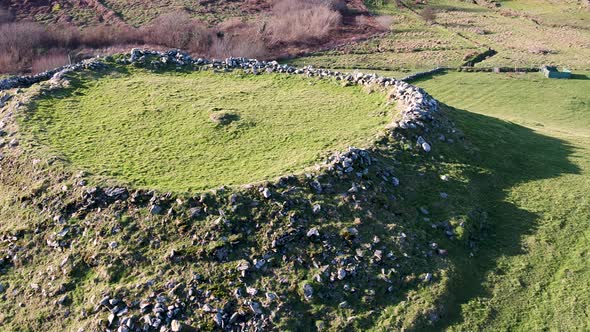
{"x":266,"y":193}
{"x":155,"y":209}
{"x":223,"y":118}
{"x":178,"y":326}
{"x":313,"y":232}
{"x":63,"y":300}
{"x":307,"y":291}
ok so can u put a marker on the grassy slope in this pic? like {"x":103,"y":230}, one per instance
{"x":517,"y":31}
{"x":154,"y":130}
{"x":529,"y":273}
{"x":412,"y":45}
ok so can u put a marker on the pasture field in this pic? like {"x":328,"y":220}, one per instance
{"x":532,"y":138}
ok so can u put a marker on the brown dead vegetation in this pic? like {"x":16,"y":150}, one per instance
{"x":288,"y":27}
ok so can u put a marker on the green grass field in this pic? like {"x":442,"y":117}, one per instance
{"x":531,"y":174}
{"x":157,"y":130}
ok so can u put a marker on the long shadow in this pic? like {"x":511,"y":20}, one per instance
{"x":503,"y":155}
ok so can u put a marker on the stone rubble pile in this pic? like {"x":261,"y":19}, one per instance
{"x":26,"y":81}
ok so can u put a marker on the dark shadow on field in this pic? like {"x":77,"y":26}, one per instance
{"x":503,"y":155}
{"x":580,"y":77}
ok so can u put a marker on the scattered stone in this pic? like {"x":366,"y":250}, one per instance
{"x":444,"y":195}
{"x":251,"y":291}
{"x":63,"y":300}
{"x":307,"y":291}
{"x":313,"y":232}
{"x":428,"y":277}
{"x":155,"y":209}
{"x":424,"y":211}
{"x":341,"y":274}
{"x":255,"y":307}
{"x":271,"y":297}
{"x":266,"y":193}
{"x":395,"y":181}
{"x":316,"y":208}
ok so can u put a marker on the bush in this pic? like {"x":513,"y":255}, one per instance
{"x":64,"y":36}
{"x":385,"y":22}
{"x":178,"y":30}
{"x":294,"y":21}
{"x":9,"y":63}
{"x":108,"y":35}
{"x":53,"y":59}
{"x":5,"y":16}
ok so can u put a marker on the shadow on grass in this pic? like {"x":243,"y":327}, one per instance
{"x":505,"y":155}
{"x":580,"y":77}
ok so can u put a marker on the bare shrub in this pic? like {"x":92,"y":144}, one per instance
{"x":384,"y":21}
{"x":237,"y":46}
{"x":22,"y":36}
{"x":428,"y":14}
{"x":9,"y":63}
{"x":64,"y":36}
{"x":301,"y":21}
{"x":107,"y":35}
{"x":54,"y":59}
{"x":5,"y":16}
{"x":178,"y":30}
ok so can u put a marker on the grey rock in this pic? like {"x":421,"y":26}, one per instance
{"x":266,"y":193}
{"x":155,"y":209}
{"x":341,"y":274}
{"x":255,"y":307}
{"x":271,"y":297}
{"x":218,"y":319}
{"x":316,"y":208}
{"x":63,"y":300}
{"x":313,"y":232}
{"x":307,"y":291}
{"x":251,"y":291}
